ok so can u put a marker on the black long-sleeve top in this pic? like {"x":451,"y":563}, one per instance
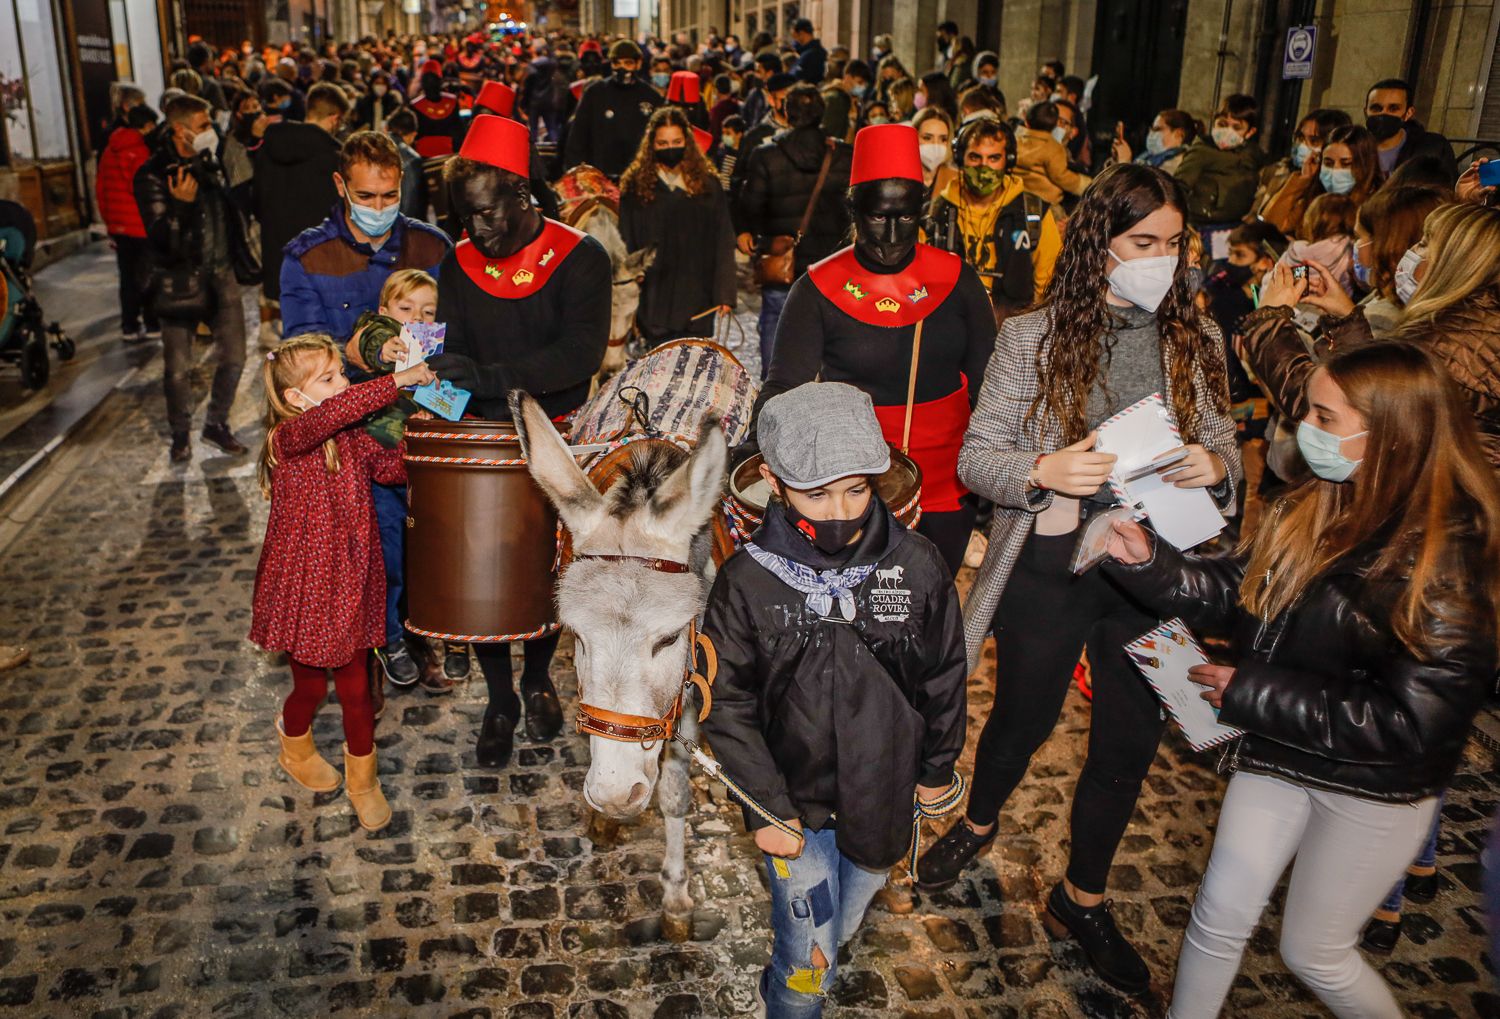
{"x":550,"y":344}
{"x":958,"y":336}
{"x":694,"y":265}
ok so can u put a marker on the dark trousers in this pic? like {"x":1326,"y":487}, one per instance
{"x":494,"y":662}
{"x":950,"y":532}
{"x":228,"y":327}
{"x":1046,"y":615}
{"x":390,"y":518}
{"x":133,"y":261}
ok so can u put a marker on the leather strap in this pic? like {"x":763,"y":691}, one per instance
{"x":596,"y":721}
{"x":911,"y":386}
{"x":659,"y":565}
{"x":817,"y":190}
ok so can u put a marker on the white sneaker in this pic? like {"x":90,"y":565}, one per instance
{"x":974,"y":554}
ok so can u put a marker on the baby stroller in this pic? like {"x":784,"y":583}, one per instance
{"x":24,"y":333}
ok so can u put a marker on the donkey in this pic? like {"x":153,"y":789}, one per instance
{"x":631,"y":610}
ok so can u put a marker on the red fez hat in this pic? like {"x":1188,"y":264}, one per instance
{"x":704,"y":139}
{"x":590,"y":46}
{"x":886,"y":151}
{"x":499,"y":142}
{"x":497,"y":96}
{"x":683,"y":88}
{"x":432,"y":67}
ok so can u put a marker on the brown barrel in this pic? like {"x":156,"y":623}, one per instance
{"x":481,"y":537}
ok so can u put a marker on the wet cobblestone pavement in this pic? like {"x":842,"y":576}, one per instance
{"x":155,"y":862}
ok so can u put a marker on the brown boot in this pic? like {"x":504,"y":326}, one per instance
{"x":362,"y":785}
{"x":301,"y":760}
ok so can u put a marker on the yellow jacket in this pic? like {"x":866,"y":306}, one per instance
{"x":953,"y":205}
{"x":1042,"y":164}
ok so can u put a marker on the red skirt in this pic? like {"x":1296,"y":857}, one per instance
{"x":937,"y":433}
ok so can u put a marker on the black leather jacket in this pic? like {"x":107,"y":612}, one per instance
{"x":1325,"y":692}
{"x":176,"y":229}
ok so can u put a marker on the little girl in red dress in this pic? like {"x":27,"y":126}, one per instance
{"x":320,"y":585}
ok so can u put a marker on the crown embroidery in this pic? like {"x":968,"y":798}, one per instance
{"x":492,"y":271}
{"x":521,"y":277}
{"x":854,"y":290}
{"x":542,"y":262}
{"x":919,"y":294}
{"x":888,"y":304}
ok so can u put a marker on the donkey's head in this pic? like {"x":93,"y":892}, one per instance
{"x":630,"y":621}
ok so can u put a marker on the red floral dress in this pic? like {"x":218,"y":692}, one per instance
{"x":320,"y":585}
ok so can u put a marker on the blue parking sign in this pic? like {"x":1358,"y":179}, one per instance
{"x":1301,"y":43}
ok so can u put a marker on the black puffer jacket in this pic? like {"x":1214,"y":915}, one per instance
{"x":814,"y":715}
{"x":1325,"y":692}
{"x":779,"y":179}
{"x":210,"y":232}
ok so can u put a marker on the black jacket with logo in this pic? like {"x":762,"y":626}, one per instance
{"x":608,"y":125}
{"x":815,"y":716}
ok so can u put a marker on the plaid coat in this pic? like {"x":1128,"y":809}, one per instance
{"x":1001,"y":447}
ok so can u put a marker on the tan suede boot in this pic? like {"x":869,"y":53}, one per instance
{"x":362,"y":784}
{"x":301,"y":760}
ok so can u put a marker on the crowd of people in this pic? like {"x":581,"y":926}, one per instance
{"x":1323,"y":324}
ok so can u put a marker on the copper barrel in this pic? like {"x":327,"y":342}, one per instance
{"x":481,"y":538}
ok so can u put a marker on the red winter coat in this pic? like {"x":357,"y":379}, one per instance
{"x":320,"y":586}
{"x":125,"y":153}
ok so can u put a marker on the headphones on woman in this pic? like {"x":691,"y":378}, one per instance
{"x":965,"y":137}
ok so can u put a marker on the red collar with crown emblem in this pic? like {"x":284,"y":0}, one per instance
{"x":887,"y":299}
{"x":440,"y":108}
{"x":527,"y":271}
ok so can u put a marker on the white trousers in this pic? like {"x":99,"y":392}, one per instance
{"x":1349,"y":852}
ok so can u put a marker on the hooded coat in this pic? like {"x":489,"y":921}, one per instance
{"x":818,"y":715}
{"x":294,"y":169}
{"x":779,"y":180}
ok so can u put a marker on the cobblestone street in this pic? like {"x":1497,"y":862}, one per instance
{"x":156,"y":862}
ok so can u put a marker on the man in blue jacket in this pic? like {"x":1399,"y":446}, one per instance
{"x":330,"y":275}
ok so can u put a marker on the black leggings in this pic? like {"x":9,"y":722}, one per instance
{"x":950,"y":532}
{"x":494,"y":662}
{"x":1045,"y":616}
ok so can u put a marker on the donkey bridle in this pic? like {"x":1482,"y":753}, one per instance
{"x":593,"y":720}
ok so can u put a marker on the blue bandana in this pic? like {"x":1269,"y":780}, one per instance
{"x":821,"y":587}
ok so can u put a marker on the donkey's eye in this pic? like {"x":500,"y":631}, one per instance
{"x":664,"y":643}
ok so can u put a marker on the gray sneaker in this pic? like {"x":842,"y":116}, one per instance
{"x":397,"y":663}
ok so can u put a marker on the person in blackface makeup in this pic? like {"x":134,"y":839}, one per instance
{"x":854,"y":317}
{"x":526,"y":303}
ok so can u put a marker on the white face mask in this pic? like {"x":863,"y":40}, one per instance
{"x":1061,"y":134}
{"x":1143,"y":282}
{"x":933,"y":154}
{"x":315,"y":403}
{"x":1405,"y":274}
{"x":1227,"y":137}
{"x":206,"y":140}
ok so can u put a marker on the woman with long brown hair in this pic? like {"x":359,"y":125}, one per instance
{"x":671,"y":201}
{"x":1117,"y":325}
{"x":1349,"y":164}
{"x":1364,"y":623}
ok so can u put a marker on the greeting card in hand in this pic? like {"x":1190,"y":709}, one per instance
{"x":422,"y":339}
{"x":443,"y":398}
{"x":1164,"y":655}
{"x":1147,"y":442}
{"x":1093,"y":539}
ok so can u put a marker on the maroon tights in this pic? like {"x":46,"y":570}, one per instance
{"x":352,"y":683}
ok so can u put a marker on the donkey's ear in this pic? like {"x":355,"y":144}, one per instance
{"x":689,"y":497}
{"x":558,"y":475}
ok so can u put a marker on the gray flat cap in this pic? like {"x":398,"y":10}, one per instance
{"x":820,"y":432}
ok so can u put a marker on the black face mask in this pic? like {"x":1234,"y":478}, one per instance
{"x":1235,"y":275}
{"x":828,"y":536}
{"x":670,"y":157}
{"x":1384,"y":126}
{"x":624,"y":76}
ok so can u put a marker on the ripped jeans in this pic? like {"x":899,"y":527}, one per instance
{"x":818,"y":899}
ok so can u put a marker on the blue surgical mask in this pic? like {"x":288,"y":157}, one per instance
{"x":860,"y":91}
{"x":989,"y":82}
{"x":1324,"y":452}
{"x":1406,"y":275}
{"x":661,"y":79}
{"x":1300,"y":154}
{"x":1155,"y":143}
{"x":1336,"y":181}
{"x":1361,"y":272}
{"x":374,"y":222}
